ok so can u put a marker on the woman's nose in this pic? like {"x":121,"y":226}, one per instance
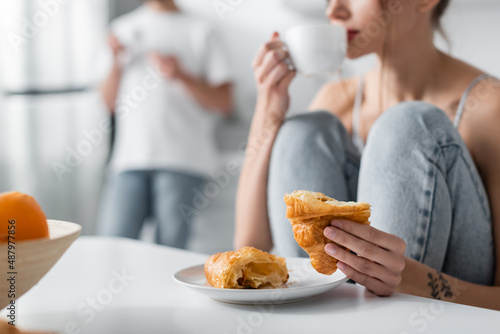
{"x":338,"y":10}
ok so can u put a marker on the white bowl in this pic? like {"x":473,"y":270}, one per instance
{"x":34,"y":258}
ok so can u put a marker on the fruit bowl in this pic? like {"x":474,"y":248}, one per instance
{"x":33,"y":259}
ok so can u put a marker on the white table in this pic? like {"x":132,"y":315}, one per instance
{"x":82,"y":294}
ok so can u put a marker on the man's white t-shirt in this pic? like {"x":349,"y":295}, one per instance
{"x":159,"y":124}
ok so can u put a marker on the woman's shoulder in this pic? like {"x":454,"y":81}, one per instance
{"x":466,"y":74}
{"x":336,"y":97}
{"x":483,"y":89}
{"x":483,"y":104}
{"x":460,"y":79}
{"x":481,"y":113}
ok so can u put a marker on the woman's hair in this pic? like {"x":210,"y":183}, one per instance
{"x":438,"y":13}
{"x":436,"y":17}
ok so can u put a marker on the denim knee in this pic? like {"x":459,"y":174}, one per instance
{"x":412,"y":123}
{"x":300,"y":133}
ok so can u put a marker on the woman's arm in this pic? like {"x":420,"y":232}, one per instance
{"x":381,"y":267}
{"x":217,"y":98}
{"x":252,"y":221}
{"x":273,"y":77}
{"x":421,"y":280}
{"x":109,"y":89}
{"x":484,"y":122}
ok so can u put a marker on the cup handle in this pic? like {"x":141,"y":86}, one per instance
{"x":289,"y":60}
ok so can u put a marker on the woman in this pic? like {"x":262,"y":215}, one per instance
{"x":434,"y":185}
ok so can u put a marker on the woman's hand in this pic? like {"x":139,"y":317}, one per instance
{"x":273,"y":77}
{"x":380,"y":256}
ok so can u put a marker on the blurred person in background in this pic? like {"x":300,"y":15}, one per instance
{"x":169,"y":81}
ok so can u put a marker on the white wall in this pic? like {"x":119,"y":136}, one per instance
{"x":244,"y":29}
{"x":50,"y":45}
{"x":472,"y":26}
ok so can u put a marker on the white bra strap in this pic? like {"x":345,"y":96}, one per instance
{"x":358,"y":100}
{"x":463,"y":100}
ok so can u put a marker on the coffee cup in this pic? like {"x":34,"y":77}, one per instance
{"x":316,"y":49}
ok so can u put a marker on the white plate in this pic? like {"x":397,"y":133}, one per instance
{"x":304,"y":283}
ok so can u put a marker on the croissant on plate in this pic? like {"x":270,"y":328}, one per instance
{"x":310,"y":213}
{"x":247,"y":268}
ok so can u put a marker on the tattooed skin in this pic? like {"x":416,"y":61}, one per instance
{"x":439,"y":286}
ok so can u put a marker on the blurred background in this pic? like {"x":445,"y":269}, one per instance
{"x":54,"y":143}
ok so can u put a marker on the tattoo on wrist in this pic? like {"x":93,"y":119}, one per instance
{"x":440,"y":287}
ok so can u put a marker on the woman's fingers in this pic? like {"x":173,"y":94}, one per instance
{"x":380,"y":256}
{"x":361,"y":247}
{"x":273,"y":77}
{"x":277,"y":74}
{"x":264,"y":49}
{"x":271,"y":59}
{"x":270,"y":67}
{"x":363,"y":265}
{"x":287,"y":80}
{"x":375,"y":285}
{"x":370,"y":234}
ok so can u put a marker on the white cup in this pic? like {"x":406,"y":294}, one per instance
{"x":316,"y":49}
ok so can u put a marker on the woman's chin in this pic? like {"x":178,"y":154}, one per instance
{"x":354,"y":53}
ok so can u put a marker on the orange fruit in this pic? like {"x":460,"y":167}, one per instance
{"x":25,"y":214}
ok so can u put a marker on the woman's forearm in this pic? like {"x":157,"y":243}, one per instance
{"x":273,"y":77}
{"x":421,"y":280}
{"x":109,"y":88}
{"x":252,"y":221}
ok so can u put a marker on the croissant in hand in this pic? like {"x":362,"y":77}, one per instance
{"x":310,"y":213}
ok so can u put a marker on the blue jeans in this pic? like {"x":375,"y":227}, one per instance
{"x":415,"y":171}
{"x":132,"y":196}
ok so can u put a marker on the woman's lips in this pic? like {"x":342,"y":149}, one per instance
{"x":352,"y":33}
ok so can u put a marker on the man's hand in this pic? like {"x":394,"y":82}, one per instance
{"x":168,"y":66}
{"x":115,"y":46}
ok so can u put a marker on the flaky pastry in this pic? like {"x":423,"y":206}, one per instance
{"x":245,"y":268}
{"x":310,"y":213}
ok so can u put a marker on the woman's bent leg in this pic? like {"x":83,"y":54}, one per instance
{"x":424,"y":187}
{"x":313,"y":152}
